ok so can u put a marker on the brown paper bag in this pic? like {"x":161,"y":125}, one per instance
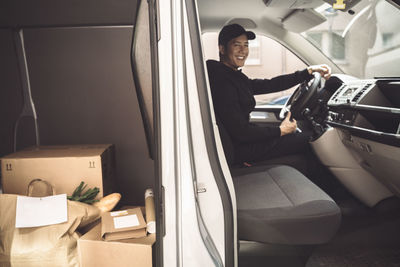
{"x":52,"y":245}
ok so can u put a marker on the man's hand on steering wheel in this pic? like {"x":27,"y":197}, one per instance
{"x":323,"y":69}
{"x":288,"y":125}
{"x":304,"y":94}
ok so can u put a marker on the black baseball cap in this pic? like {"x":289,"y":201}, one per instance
{"x":232,"y":31}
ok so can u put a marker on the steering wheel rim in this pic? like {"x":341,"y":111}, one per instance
{"x":301,"y":96}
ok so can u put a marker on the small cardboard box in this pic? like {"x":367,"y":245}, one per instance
{"x":123,"y":224}
{"x":94,"y":252}
{"x":64,"y":167}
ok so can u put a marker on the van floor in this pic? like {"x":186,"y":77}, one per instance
{"x":367,"y":237}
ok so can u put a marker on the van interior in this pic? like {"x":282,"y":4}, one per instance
{"x":77,"y":72}
{"x":344,"y":117}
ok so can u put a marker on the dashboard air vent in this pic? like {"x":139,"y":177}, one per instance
{"x":359,"y":94}
{"x":337,"y":92}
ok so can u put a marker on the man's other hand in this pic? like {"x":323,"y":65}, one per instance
{"x":288,"y":126}
{"x":323,"y":69}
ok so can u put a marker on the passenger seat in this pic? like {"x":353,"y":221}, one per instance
{"x":279,"y":205}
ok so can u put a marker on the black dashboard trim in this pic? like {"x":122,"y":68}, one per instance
{"x":362,"y":107}
{"x":381,"y":137}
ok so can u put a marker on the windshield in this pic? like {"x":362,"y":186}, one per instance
{"x":364,"y":43}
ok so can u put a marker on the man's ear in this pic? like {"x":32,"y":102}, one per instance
{"x":221,"y":49}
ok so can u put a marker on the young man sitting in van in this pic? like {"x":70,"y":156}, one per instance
{"x":232,"y":93}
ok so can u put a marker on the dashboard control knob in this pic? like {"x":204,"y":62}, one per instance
{"x":306,"y":112}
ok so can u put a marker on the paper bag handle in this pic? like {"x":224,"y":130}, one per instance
{"x":34,"y":181}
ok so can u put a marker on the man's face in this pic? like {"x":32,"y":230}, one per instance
{"x":236,"y":51}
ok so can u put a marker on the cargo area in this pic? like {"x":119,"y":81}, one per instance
{"x":70,"y":112}
{"x":79,"y":64}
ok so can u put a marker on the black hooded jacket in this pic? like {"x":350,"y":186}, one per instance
{"x":233,"y":97}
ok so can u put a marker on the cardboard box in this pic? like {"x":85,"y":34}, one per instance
{"x":64,"y":167}
{"x":94,"y":252}
{"x":123,"y":224}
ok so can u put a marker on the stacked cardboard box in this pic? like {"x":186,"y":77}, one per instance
{"x":94,"y":251}
{"x":64,"y":167}
{"x":123,"y":224}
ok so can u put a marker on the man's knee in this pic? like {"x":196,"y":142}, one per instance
{"x":295,"y":140}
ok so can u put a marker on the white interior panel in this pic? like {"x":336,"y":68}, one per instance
{"x":334,"y":154}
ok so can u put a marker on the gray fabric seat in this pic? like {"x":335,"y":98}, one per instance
{"x":279,"y":205}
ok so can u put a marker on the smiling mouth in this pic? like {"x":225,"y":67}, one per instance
{"x":240,"y":58}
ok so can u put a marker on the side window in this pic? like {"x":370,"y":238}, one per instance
{"x":267,"y":59}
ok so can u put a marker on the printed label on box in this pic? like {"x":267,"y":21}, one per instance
{"x":126,"y":221}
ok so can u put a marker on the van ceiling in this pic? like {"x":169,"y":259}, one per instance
{"x":50,"y":13}
{"x":214,"y":14}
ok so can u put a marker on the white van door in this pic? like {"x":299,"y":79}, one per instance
{"x":199,"y":204}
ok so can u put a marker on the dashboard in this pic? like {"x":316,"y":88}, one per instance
{"x":351,"y":92}
{"x":361,"y":139}
{"x":367,"y":108}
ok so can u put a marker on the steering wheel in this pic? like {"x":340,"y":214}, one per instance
{"x":301,"y":97}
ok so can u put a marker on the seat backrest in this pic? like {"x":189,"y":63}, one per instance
{"x":227,"y":143}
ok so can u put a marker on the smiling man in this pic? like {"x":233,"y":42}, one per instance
{"x":233,"y":53}
{"x":233,"y":97}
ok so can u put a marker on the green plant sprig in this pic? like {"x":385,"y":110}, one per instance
{"x":88,"y":197}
